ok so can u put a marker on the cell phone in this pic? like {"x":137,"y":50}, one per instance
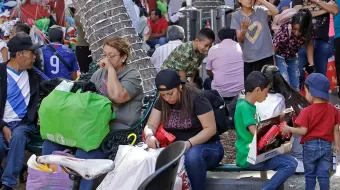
{"x":309,"y":69}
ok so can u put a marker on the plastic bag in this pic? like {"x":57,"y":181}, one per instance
{"x":57,"y":180}
{"x":75,"y":119}
{"x":163,"y":6}
{"x":47,"y":86}
{"x":182,"y":180}
{"x":147,"y":31}
{"x":133,"y":163}
{"x":42,"y":24}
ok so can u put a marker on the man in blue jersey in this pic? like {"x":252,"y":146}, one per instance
{"x":65,"y":64}
{"x":19,"y":98}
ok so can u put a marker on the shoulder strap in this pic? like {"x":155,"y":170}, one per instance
{"x":60,"y":58}
{"x":41,"y":74}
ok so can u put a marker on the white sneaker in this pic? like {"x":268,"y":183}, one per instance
{"x":300,"y":168}
{"x":337,"y":173}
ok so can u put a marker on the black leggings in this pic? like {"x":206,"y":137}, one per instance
{"x":257,"y":65}
{"x":84,"y":58}
{"x":337,"y":59}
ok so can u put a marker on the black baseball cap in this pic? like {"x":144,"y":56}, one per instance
{"x":168,"y":78}
{"x":21,"y":41}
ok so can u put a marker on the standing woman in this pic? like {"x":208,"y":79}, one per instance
{"x":187,"y":114}
{"x":292,"y":36}
{"x":83,"y":52}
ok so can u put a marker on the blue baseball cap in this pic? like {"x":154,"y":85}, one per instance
{"x":318,"y":85}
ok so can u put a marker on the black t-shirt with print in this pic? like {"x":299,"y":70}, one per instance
{"x":186,"y":128}
{"x":321,"y":23}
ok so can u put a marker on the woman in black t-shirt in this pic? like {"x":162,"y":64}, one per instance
{"x":187,"y":114}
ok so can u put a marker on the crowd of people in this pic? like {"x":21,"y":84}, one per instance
{"x":262,"y":68}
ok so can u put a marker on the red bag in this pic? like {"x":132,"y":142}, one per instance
{"x":164,"y":138}
{"x":331,"y":73}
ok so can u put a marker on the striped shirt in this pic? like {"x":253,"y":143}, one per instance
{"x":18,"y":95}
{"x":162,"y":53}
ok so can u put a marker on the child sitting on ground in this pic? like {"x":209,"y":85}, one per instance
{"x":319,"y":125}
{"x":256,"y":89}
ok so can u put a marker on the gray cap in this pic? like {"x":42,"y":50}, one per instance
{"x":175,"y":33}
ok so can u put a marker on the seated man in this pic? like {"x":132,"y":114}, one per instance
{"x":187,"y":57}
{"x":159,"y":26}
{"x":176,"y":37}
{"x":65,"y":65}
{"x":19,"y":98}
{"x":22,"y":27}
{"x":225,"y":65}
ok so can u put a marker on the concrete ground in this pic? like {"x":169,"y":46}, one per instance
{"x":296,"y":182}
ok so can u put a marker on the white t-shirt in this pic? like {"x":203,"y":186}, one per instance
{"x":271,"y":107}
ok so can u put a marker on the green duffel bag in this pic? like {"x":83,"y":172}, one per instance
{"x":75,"y":119}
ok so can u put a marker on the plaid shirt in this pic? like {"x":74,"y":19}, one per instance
{"x":184,"y":58}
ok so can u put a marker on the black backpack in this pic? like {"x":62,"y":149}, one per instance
{"x":223,"y":123}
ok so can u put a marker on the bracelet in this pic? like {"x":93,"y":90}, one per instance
{"x":190,"y":143}
{"x":149,"y":135}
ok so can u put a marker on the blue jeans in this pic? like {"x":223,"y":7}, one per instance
{"x":199,"y":159}
{"x":289,"y":69}
{"x":317,"y":161}
{"x":15,"y":156}
{"x":284,"y":165}
{"x":48,"y":147}
{"x":321,"y":51}
{"x":153,"y":42}
{"x":297,"y":148}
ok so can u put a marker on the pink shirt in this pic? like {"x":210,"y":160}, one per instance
{"x":225,"y":61}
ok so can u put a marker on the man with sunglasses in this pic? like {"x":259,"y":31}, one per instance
{"x":19,"y":98}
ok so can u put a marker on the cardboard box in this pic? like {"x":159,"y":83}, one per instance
{"x":261,"y":129}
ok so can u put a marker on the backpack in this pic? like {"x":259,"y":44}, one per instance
{"x":282,"y":18}
{"x":220,"y":110}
